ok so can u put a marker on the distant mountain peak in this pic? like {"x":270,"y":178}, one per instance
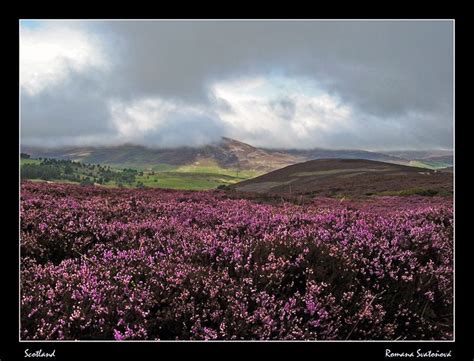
{"x":227,"y":140}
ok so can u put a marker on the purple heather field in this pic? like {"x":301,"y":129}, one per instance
{"x":132,"y":264}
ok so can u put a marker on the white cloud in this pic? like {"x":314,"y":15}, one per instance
{"x":267,"y":114}
{"x":136,"y":118}
{"x":258,"y":110}
{"x":163,"y":122}
{"x":50,"y":52}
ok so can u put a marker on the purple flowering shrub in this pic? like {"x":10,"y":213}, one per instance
{"x":158,"y":264}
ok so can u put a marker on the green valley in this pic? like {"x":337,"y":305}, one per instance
{"x":192,"y":177}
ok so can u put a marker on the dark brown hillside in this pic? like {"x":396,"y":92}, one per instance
{"x":351,"y":177}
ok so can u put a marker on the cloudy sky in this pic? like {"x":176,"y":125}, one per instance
{"x":292,"y":84}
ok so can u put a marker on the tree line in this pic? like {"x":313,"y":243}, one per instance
{"x":86,"y":174}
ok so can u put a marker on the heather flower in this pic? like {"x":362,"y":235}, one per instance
{"x":160,"y":264}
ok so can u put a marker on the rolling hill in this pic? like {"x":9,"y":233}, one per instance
{"x":321,"y":153}
{"x":349,"y":177}
{"x":434,"y":159}
{"x":223,"y":163}
{"x":227,"y":154}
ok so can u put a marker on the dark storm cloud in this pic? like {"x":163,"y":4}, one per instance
{"x":385,"y":66}
{"x":392,"y":71}
{"x":66,"y":113}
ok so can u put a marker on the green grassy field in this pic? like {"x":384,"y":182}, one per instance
{"x":429,"y":165}
{"x":192,"y":177}
{"x":160,"y":167}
